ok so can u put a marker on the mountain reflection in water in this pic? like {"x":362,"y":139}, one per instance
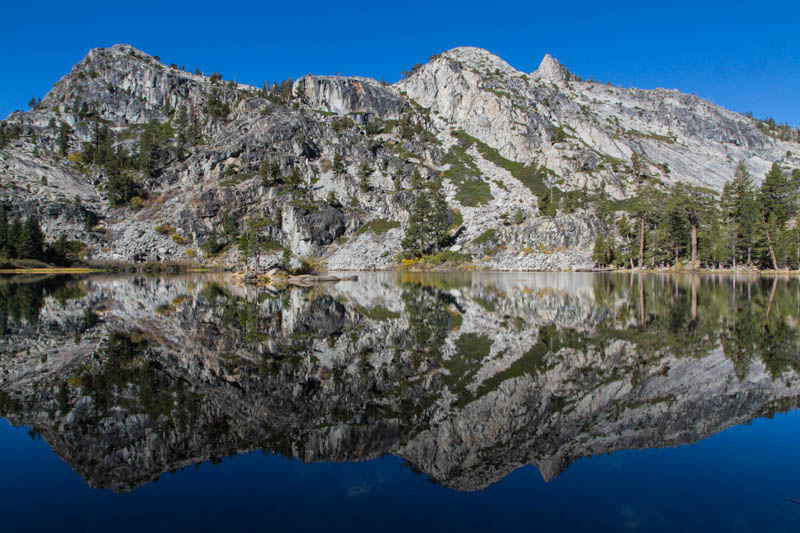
{"x":465,"y":377}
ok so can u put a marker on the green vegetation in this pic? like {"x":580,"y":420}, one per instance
{"x":428,"y":223}
{"x":558,"y":134}
{"x":378,"y":225}
{"x":487,"y":236}
{"x":532,"y":176}
{"x":280,"y":93}
{"x":784,"y":132}
{"x":378,"y":313}
{"x":464,"y":173}
{"x":216,"y":106}
{"x":341,"y":124}
{"x":23,"y":240}
{"x":683,"y":224}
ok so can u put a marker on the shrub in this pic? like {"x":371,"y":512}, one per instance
{"x":486,"y":236}
{"x":378,"y":225}
{"x":345,"y":123}
{"x":212,"y":247}
{"x":310,"y":265}
{"x":558,"y":134}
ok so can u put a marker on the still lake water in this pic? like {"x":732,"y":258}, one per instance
{"x":485,"y":402}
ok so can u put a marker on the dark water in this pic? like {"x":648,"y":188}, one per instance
{"x":401,"y":402}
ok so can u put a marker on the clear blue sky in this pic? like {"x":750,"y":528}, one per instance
{"x":742,"y":55}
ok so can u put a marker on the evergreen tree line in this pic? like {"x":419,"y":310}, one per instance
{"x":278,"y":93}
{"x":21,"y":239}
{"x":784,"y":131}
{"x":24,"y":239}
{"x":744,"y":225}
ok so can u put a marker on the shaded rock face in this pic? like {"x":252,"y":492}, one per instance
{"x":227,"y":151}
{"x":348,"y":96}
{"x":324,"y":226}
{"x":128,"y":378}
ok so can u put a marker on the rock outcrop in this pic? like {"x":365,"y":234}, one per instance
{"x":363,"y":98}
{"x":552,"y":70}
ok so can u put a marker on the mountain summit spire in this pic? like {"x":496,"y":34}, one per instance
{"x":552,"y":69}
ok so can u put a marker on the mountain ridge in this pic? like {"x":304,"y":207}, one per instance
{"x":466,"y":115}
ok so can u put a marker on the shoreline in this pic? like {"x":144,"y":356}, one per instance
{"x":230,"y":269}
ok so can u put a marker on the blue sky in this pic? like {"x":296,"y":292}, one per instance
{"x":742,"y":55}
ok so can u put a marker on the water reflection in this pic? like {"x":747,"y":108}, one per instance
{"x":465,"y":377}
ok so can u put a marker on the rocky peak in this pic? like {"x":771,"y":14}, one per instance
{"x":479,"y":59}
{"x":551,"y":69}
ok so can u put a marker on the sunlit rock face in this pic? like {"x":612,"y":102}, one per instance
{"x":326,"y":164}
{"x":467,"y":377}
{"x":350,"y":96}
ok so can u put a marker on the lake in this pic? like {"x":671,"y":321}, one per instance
{"x":401,"y":401}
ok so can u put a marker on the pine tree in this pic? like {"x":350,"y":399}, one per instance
{"x":244,"y":244}
{"x":738,"y":210}
{"x":776,"y":205}
{"x":695,"y":204}
{"x":64,"y":132}
{"x":31,"y":240}
{"x":603,"y":251}
{"x":12,"y":240}
{"x":416,"y":180}
{"x":254,"y":244}
{"x":363,"y":177}
{"x":644,"y":212}
{"x":415,"y":241}
{"x":428,"y":222}
{"x":3,"y":233}
{"x":776,"y":195}
{"x":440,"y":214}
{"x":338,"y":164}
{"x":674,"y":228}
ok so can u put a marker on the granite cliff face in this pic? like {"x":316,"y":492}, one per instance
{"x":466,"y":378}
{"x":324,"y":166}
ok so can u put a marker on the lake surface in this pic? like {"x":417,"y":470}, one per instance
{"x":459,"y":402}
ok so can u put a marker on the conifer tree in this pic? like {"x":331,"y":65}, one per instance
{"x":415,"y":241}
{"x":12,"y":240}
{"x":776,"y":206}
{"x":31,"y":240}
{"x":740,"y":213}
{"x":64,"y":132}
{"x":3,"y":233}
{"x":428,"y":222}
{"x":644,"y":211}
{"x":695,"y":204}
{"x":440,"y":214}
